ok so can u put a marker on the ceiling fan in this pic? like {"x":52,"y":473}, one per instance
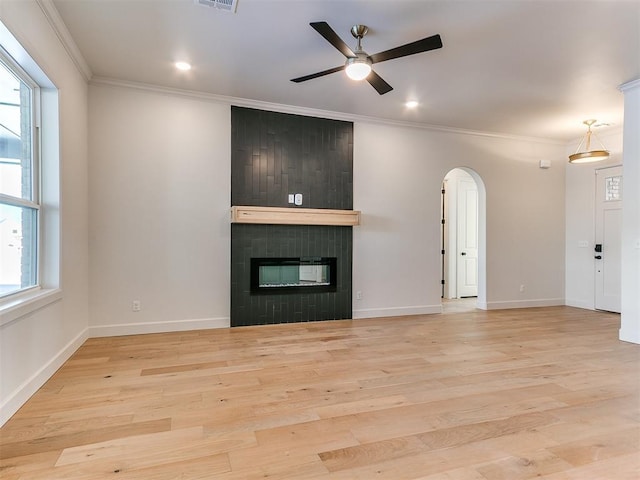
{"x":358,"y":63}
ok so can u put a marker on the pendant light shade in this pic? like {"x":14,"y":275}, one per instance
{"x":588,"y":155}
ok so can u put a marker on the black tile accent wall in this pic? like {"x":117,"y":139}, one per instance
{"x":274,"y":155}
{"x":288,"y":241}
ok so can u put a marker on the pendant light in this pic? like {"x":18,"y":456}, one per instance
{"x":587,"y":155}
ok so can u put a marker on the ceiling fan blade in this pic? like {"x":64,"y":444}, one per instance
{"x":430,"y":43}
{"x":332,"y":37}
{"x":318,"y":74}
{"x":378,"y":83}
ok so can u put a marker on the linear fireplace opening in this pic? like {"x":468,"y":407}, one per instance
{"x":293,"y":275}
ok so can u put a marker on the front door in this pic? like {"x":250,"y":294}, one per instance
{"x":467,"y":234}
{"x":608,"y":239}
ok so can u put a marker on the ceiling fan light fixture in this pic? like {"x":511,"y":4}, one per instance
{"x":358,"y":63}
{"x":588,"y":155}
{"x":183,"y":66}
{"x":358,"y":68}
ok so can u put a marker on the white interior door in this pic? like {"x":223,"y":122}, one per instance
{"x":467,"y":238}
{"x":608,"y":237}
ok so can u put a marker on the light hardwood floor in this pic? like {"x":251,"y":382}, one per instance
{"x":514,"y":394}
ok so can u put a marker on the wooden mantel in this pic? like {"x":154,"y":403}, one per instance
{"x":294,"y":216}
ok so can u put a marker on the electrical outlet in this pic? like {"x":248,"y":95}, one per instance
{"x":358,"y":295}
{"x":135,"y":306}
{"x":522,"y":288}
{"x":291,"y":198}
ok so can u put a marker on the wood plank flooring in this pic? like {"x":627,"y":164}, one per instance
{"x":545,"y":393}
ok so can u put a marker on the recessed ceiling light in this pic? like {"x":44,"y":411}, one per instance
{"x":184,"y":66}
{"x":411,"y":104}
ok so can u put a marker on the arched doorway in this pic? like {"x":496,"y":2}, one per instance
{"x":463,"y":240}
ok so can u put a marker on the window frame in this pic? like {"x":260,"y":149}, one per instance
{"x":34,"y":202}
{"x":22,"y":305}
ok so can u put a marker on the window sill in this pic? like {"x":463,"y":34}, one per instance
{"x":16,"y":307}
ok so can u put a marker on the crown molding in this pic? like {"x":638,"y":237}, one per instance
{"x":312,"y":112}
{"x":62,"y":32}
{"x":629,"y":85}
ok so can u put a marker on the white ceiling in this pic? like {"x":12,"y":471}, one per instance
{"x":522,"y":67}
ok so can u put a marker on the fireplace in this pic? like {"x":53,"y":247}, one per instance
{"x":293,"y":275}
{"x":275,"y":156}
{"x":296,"y":248}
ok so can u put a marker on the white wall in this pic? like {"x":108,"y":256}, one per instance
{"x":160,"y":165}
{"x":34,"y":345}
{"x":580,"y":224}
{"x":398,"y":173}
{"x":630,"y":319}
{"x":160,"y":196}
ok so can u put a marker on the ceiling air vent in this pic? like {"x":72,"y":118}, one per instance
{"x":225,"y":5}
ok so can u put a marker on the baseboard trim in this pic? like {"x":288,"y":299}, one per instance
{"x":544,"y":302}
{"x":579,"y":304}
{"x":629,"y":335}
{"x":397,"y":311}
{"x":19,"y":397}
{"x":481,"y":305}
{"x":158,"y":327}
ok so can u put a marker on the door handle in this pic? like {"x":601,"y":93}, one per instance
{"x":463,"y":253}
{"x":598,"y":257}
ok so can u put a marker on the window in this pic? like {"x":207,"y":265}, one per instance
{"x":29,"y":184}
{"x":19,"y":179}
